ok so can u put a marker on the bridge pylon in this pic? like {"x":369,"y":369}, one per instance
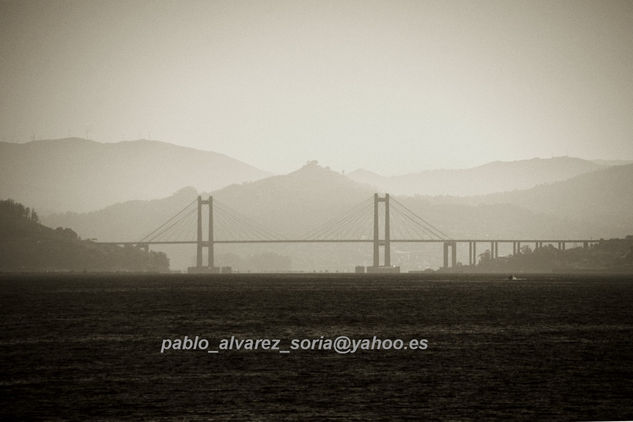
{"x":201,"y":243}
{"x":386,"y":241}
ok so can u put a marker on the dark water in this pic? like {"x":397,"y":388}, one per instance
{"x":83,"y":347}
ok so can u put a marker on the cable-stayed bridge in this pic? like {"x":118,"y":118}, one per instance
{"x":380,"y":220}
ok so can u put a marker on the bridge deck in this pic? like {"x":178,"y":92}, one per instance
{"x":193,"y":242}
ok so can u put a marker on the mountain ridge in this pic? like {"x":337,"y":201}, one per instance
{"x":495,"y":176}
{"x":75,"y":174}
{"x":601,"y":195}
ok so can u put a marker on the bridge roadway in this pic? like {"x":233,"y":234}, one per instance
{"x":450,"y":245}
{"x":193,"y":242}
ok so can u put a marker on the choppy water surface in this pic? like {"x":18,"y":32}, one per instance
{"x":88,"y":346}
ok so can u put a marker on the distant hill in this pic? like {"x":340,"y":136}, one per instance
{"x":603,"y":197}
{"x":292,"y":204}
{"x":498,"y":176}
{"x":27,"y":245}
{"x":80,"y":175}
{"x":613,"y":162}
{"x":125,"y":221}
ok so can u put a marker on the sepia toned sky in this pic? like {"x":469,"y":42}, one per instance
{"x":391,"y":86}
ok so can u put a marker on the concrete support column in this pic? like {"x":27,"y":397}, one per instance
{"x":494,"y":249}
{"x":474,"y":253}
{"x":453,"y":254}
{"x":199,"y":235}
{"x":445,"y":254}
{"x":470,"y":253}
{"x":387,"y":233}
{"x":210,"y":257}
{"x":376,"y":238}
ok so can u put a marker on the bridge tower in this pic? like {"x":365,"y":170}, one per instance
{"x":200,"y":243}
{"x":386,"y":241}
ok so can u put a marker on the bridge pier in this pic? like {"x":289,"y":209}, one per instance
{"x":470,"y":253}
{"x":210,"y":253}
{"x":199,"y":235}
{"x":494,"y":250}
{"x":376,"y":261}
{"x":387,"y":233}
{"x":453,"y":247}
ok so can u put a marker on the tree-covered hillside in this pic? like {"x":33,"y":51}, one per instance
{"x":27,"y":245}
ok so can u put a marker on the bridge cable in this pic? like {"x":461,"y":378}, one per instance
{"x":417,"y":226}
{"x":243,"y":226}
{"x":245,"y":222}
{"x":430,"y":226}
{"x":333,"y":224}
{"x":340,"y":228}
{"x":167,"y":229}
{"x":168,"y":221}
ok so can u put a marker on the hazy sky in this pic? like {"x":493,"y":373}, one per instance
{"x":392,"y":86}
